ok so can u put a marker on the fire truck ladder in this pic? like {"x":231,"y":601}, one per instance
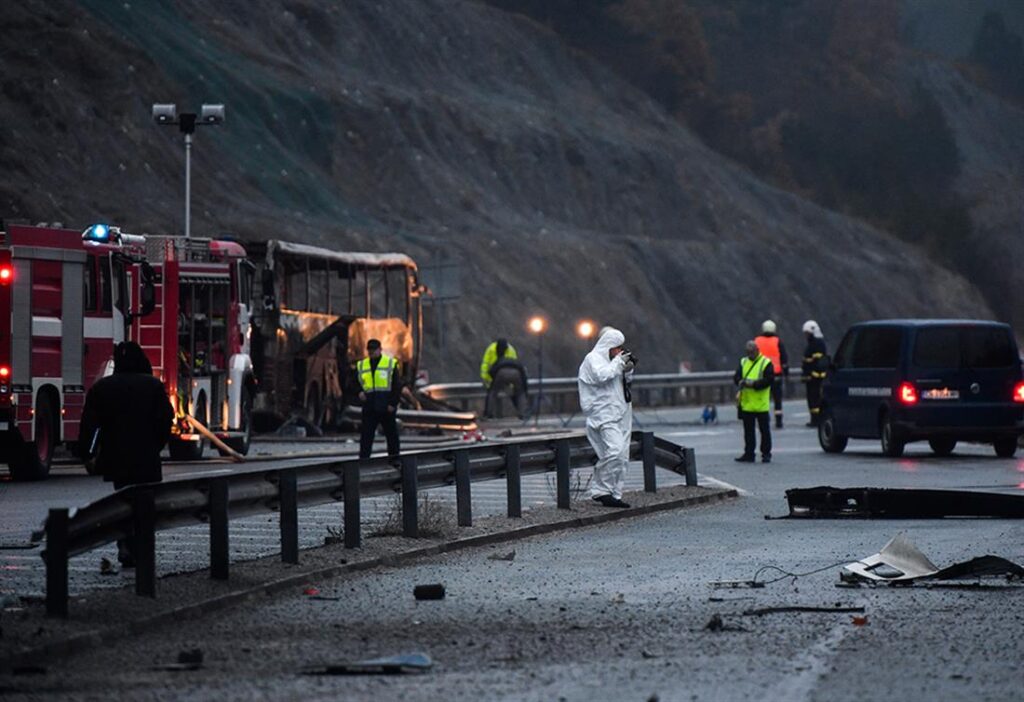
{"x":155,"y":351}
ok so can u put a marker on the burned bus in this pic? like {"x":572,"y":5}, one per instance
{"x":316,"y":310}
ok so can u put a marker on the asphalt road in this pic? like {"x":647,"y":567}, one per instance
{"x":619,"y":612}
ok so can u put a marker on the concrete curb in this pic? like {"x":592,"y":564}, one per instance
{"x":91,"y":639}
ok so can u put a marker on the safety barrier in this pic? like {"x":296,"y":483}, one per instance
{"x":139,"y":511}
{"x":652,"y":389}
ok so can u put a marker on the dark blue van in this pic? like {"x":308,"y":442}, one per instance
{"x":944,"y":380}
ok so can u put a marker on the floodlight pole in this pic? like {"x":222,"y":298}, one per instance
{"x":188,"y":185}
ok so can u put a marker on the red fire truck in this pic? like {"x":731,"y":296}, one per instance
{"x":66,"y":297}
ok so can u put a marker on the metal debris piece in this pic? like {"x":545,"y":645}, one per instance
{"x":403,"y":664}
{"x":777,"y":610}
{"x":736,"y":584}
{"x":433,"y":591}
{"x":886,"y":503}
{"x":900,"y":562}
{"x":510,"y":556}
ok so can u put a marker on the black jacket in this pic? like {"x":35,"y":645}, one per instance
{"x":133,"y":416}
{"x":816,"y":359}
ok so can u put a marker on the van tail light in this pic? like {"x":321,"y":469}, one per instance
{"x":1018,"y":392}
{"x":908,"y":394}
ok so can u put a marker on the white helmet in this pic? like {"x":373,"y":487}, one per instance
{"x":768,"y":327}
{"x":811,"y":327}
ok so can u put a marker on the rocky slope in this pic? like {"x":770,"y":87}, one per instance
{"x":438,"y":126}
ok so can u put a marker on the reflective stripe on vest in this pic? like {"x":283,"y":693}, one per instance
{"x":752,"y":400}
{"x":769,"y":347}
{"x":379,"y":380}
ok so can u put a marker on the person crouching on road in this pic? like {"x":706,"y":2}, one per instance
{"x":126,"y":422}
{"x":380,"y":392}
{"x":603,"y":381}
{"x":754,"y":377}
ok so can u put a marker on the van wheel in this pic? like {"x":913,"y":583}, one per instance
{"x":892,"y":445}
{"x":31,"y":459}
{"x":830,"y":441}
{"x":942,"y":446}
{"x":1005,"y":446}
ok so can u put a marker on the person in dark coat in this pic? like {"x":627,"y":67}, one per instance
{"x":126,"y":422}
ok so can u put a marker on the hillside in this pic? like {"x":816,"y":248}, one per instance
{"x":439,"y":126}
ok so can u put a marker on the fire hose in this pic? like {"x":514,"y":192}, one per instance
{"x":215,"y":440}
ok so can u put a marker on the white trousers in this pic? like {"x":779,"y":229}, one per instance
{"x":611,"y":444}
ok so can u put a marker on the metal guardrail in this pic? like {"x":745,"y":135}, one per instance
{"x":652,"y":389}
{"x":139,"y":511}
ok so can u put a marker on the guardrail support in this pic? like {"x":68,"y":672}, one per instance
{"x":562,"y":469}
{"x":410,"y":500}
{"x":353,"y":532}
{"x":219,"y":549}
{"x":647,"y":454}
{"x":512,"y":480}
{"x":144,"y":536}
{"x":57,"y":563}
{"x":463,"y":496}
{"x":288,"y":501}
{"x":690,"y":465}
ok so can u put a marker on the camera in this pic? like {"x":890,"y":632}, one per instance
{"x":630,"y":356}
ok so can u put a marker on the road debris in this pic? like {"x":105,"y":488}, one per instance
{"x":106,"y":567}
{"x":887,"y":503}
{"x":716,"y":623}
{"x":434,"y":591}
{"x":402,"y":664}
{"x":859,"y":621}
{"x":510,"y":556}
{"x":901,"y":563}
{"x":190,"y":659}
{"x":780,"y":610}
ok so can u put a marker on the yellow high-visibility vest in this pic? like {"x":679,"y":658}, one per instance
{"x":376,"y":380}
{"x":491,"y":357}
{"x":752,"y":400}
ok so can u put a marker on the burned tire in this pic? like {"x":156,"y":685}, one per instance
{"x":828,"y":438}
{"x":31,"y":459}
{"x":942,"y":446}
{"x":1005,"y":447}
{"x":892,"y":444}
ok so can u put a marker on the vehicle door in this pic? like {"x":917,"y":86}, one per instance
{"x":872,"y":376}
{"x":835,"y":390}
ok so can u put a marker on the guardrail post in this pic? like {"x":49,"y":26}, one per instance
{"x":690,"y":465}
{"x":218,"y":507}
{"x":512,"y":480}
{"x":288,"y":500}
{"x":410,"y":500}
{"x":562,"y":467}
{"x":463,"y":498}
{"x":353,"y":529}
{"x":57,"y":563}
{"x":647,"y":454}
{"x":144,"y":537}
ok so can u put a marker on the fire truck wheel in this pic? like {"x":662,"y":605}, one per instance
{"x":190,"y":450}
{"x":32,"y":461}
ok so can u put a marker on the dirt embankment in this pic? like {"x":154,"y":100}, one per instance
{"x":439,"y":128}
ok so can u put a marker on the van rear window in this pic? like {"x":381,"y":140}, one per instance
{"x":964,"y":347}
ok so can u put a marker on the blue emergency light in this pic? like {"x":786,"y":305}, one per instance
{"x":97,"y":232}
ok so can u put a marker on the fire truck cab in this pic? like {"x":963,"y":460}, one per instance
{"x":197,"y":338}
{"x":64,"y":303}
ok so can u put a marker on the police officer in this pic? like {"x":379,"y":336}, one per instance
{"x":125,"y":423}
{"x":814,"y":368}
{"x":771,"y":346}
{"x":754,"y":377}
{"x":380,"y":390}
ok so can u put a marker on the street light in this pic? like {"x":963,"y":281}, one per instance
{"x":585,"y":329}
{"x":537,"y":325}
{"x":209,"y":115}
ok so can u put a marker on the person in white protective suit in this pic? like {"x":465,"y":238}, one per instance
{"x":602,"y":385}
